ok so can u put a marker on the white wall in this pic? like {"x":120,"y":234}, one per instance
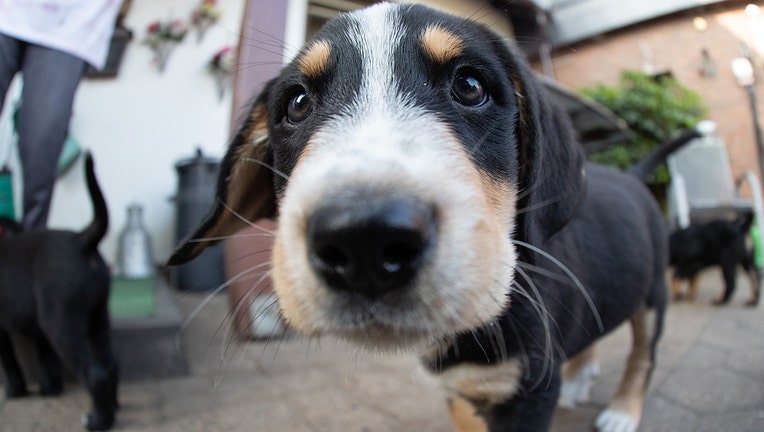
{"x":140,"y":124}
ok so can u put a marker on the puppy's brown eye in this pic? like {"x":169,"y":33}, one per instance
{"x":299,"y":108}
{"x":468,"y":90}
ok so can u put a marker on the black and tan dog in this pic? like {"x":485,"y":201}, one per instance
{"x":720,"y":243}
{"x":54,"y":288}
{"x":431,"y":198}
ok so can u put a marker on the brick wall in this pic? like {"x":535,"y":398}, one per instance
{"x":676,"y":45}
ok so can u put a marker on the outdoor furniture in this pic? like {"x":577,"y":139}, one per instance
{"x":703,"y":188}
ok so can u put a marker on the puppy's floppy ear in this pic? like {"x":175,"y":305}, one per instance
{"x":552,"y":182}
{"x":245,"y":191}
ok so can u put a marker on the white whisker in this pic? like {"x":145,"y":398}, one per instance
{"x":573,"y":277}
{"x":559,"y":278}
{"x":267,"y":166}
{"x":205,"y":302}
{"x":238,"y":215}
{"x":538,"y":205}
{"x":247,"y":300}
{"x":232,"y":236}
{"x":544,"y":315}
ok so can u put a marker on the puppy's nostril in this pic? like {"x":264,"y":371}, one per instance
{"x":392,"y":261}
{"x":370,"y":246}
{"x":399,"y":254}
{"x":333,"y":258}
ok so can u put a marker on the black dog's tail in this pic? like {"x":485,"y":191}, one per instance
{"x":646,"y":166}
{"x":92,"y":235}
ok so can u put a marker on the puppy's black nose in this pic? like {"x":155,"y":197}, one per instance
{"x":370,"y":246}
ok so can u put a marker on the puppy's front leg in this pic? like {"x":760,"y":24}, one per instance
{"x":522,"y":414}
{"x":677,"y":288}
{"x":754,"y":276}
{"x":729,"y":274}
{"x":511,"y":395}
{"x":692,"y":293}
{"x":527,"y":412}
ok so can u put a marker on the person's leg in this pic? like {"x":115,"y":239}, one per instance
{"x":50,"y":81}
{"x":10,"y":59}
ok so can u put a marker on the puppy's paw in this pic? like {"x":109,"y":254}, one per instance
{"x":616,"y":421}
{"x":719,"y":301}
{"x":568,"y":392}
{"x":15,"y":387}
{"x":98,"y":421}
{"x":15,"y":391}
{"x":51,"y":388}
{"x":578,"y":390}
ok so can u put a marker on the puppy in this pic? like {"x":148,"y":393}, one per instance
{"x":431,"y":198}
{"x":717,"y":243}
{"x":54,"y":288}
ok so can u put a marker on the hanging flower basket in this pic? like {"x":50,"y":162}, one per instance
{"x":221,"y":66}
{"x":204,"y":16}
{"x":162,"y":37}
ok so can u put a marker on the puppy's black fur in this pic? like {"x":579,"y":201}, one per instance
{"x":716,"y":243}
{"x":54,"y":288}
{"x":590,"y":241}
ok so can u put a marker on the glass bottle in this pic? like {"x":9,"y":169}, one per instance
{"x":135,"y":256}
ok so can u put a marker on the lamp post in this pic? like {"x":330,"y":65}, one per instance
{"x":743,"y":71}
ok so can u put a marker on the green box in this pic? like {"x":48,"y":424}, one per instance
{"x":132,"y":298}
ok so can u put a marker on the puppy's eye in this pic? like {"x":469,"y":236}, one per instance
{"x":468,"y":90}
{"x":299,"y":108}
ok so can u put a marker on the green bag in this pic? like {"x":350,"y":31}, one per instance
{"x":758,"y":247}
{"x":68,"y":156}
{"x":6,"y":194}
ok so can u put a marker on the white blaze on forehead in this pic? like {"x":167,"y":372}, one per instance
{"x":377,"y":33}
{"x":381,"y":123}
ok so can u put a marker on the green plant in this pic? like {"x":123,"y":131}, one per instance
{"x":655,"y":108}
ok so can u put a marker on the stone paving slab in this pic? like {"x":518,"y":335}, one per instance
{"x":710,"y":377}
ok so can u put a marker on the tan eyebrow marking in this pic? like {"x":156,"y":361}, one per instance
{"x":440,"y":44}
{"x":315,"y":60}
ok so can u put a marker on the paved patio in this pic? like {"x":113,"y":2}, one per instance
{"x":710,"y":377}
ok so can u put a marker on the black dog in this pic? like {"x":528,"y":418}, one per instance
{"x":715,"y":243}
{"x":430,"y":197}
{"x":54,"y":288}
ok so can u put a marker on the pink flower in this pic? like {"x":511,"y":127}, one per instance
{"x":178,"y":25}
{"x":223,"y":60}
{"x":223,"y":51}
